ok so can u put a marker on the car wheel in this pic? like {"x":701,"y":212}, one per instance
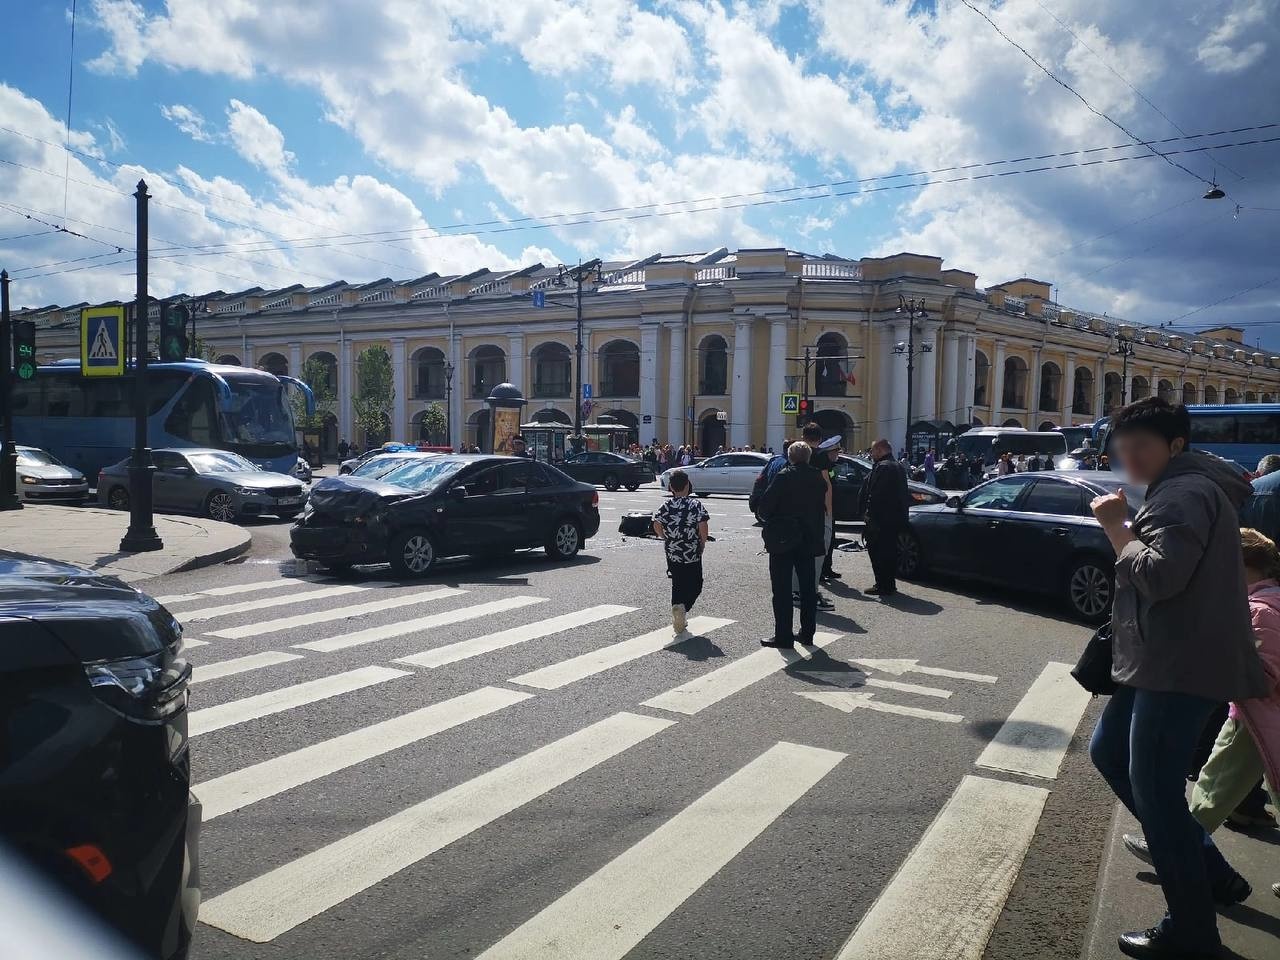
{"x":632,"y":487}
{"x":220,"y":507}
{"x":910,"y":560}
{"x":412,"y":554}
{"x":565,"y":540}
{"x":118,"y":498}
{"x":611,"y":482}
{"x":1089,"y":589}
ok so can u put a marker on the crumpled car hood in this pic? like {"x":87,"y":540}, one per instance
{"x":349,"y":497}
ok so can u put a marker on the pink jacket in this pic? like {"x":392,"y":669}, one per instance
{"x":1262,"y":716}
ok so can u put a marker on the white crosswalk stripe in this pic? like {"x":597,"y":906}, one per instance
{"x":204,"y":721}
{"x":228,"y":668}
{"x":597,"y":661}
{"x":264,"y":908}
{"x":452,"y":653}
{"x":615,"y":908}
{"x":263,"y":603}
{"x":336,"y":613}
{"x":270,"y":777}
{"x":404,"y":627}
{"x":234,"y":589}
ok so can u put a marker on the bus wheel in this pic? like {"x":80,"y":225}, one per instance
{"x":118,"y":498}
{"x":220,"y":507}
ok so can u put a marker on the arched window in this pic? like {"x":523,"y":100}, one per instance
{"x":552,"y":370}
{"x":1267,"y":398}
{"x":835,"y":423}
{"x":1188,"y":393}
{"x":1164,"y":390}
{"x":977,"y":422}
{"x":832,"y":373}
{"x":1015,"y":383}
{"x":619,"y":369}
{"x":1050,"y":386}
{"x":320,"y":371}
{"x":1046,"y":426}
{"x":274,"y":363}
{"x":1011,"y":422}
{"x":423,"y":433}
{"x":1250,"y":397}
{"x":981,"y":376}
{"x":230,"y":359}
{"x":1210,"y":394}
{"x":711,"y":433}
{"x":1083,"y":393}
{"x":713,"y":366}
{"x":428,"y":374}
{"x":478,"y":429}
{"x":488,"y":369}
{"x":1141,"y":389}
{"x":1230,"y":396}
{"x":1113,"y":388}
{"x":550,"y":415}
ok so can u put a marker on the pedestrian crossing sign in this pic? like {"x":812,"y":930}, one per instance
{"x":791,"y":403}
{"x":102,"y":341}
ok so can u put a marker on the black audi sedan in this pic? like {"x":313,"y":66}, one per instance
{"x":1029,"y":531}
{"x":445,"y":506}
{"x":848,"y":476}
{"x":610,"y":470}
{"x":94,"y":769}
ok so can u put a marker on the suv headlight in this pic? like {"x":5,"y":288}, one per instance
{"x":143,"y":688}
{"x":247,"y":491}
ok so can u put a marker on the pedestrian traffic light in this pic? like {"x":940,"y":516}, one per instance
{"x":173,"y":332}
{"x":803,"y":416}
{"x":24,"y":349}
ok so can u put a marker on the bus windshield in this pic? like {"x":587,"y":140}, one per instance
{"x":258,"y":414}
{"x":989,"y":446}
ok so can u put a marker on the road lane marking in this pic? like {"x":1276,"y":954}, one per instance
{"x":569,"y":671}
{"x":262,"y":603}
{"x":898,"y":667}
{"x":270,"y":777}
{"x":234,"y":589}
{"x":464,"y":649}
{"x":710,"y":688}
{"x":286,"y":698}
{"x":335,"y":613}
{"x":228,"y":668}
{"x":946,"y":898}
{"x":848,"y":701}
{"x":1035,"y":738}
{"x":188,"y":644}
{"x":610,"y":912}
{"x":277,"y":901}
{"x":445,"y":619}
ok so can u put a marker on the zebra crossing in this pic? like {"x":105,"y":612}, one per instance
{"x":606,"y":914}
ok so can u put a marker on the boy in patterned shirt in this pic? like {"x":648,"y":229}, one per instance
{"x":682,"y":522}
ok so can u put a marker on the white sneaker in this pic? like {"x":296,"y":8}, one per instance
{"x":678,"y":621}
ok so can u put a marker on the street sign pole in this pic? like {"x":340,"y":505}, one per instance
{"x":9,"y":499}
{"x":141,"y":535}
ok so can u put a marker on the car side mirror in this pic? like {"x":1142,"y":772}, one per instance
{"x":954,"y":503}
{"x":182,"y":471}
{"x":458,"y":492}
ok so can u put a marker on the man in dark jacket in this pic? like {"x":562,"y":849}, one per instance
{"x":795,"y":498}
{"x":886,"y":498}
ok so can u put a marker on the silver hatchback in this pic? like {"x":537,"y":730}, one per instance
{"x":43,"y":478}
{"x":215,"y":483}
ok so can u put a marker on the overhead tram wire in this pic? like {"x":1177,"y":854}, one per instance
{"x":66,"y":130}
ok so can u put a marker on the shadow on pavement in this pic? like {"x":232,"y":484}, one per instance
{"x":909,"y":604}
{"x":697,"y":648}
{"x":1025,"y":732}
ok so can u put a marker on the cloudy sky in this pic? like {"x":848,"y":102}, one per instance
{"x":310,"y":140}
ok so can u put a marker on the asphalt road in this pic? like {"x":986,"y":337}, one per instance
{"x":755,"y":809}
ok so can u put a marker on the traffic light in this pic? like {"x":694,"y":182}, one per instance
{"x":173,"y":332}
{"x":24,"y":349}
{"x":803,"y":416}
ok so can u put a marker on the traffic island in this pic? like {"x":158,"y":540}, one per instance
{"x":90,"y":538}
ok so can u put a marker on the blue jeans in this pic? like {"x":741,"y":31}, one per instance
{"x":1142,"y":746}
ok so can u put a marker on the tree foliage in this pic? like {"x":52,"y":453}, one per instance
{"x":320,"y":377}
{"x":434,"y":422}
{"x":375,"y":392}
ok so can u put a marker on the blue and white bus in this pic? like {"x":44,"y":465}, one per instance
{"x":87,"y":422}
{"x":1243,"y":432}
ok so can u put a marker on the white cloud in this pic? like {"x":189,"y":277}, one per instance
{"x":188,"y":120}
{"x":631,"y":136}
{"x":257,"y":139}
{"x":1229,"y":48}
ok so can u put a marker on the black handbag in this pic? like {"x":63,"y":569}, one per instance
{"x":1093,"y":670}
{"x":782,"y":534}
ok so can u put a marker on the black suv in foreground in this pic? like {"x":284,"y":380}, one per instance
{"x":446,"y":506}
{"x":94,"y":770}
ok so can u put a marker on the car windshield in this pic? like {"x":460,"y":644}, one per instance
{"x":219,"y":463}
{"x":37,"y":458}
{"x":258,"y":413}
{"x":378,"y":467}
{"x":424,"y":475}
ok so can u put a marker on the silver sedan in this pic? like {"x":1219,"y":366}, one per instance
{"x":43,"y":478}
{"x":218,"y":484}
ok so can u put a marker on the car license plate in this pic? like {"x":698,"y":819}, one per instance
{"x":288,"y":501}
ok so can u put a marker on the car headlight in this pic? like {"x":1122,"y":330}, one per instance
{"x":141,"y":687}
{"x":26,"y":479}
{"x":247,"y":491}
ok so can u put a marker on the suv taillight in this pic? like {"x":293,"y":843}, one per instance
{"x":595,"y":498}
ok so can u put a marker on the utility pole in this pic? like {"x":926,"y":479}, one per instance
{"x":9,"y":499}
{"x":914,"y":310}
{"x":1124,"y":348}
{"x":141,"y":535}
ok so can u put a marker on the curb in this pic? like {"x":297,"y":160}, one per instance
{"x":217,"y":556}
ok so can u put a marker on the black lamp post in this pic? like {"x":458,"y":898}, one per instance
{"x":579,"y":275}
{"x":9,"y":499}
{"x":1124,"y":350}
{"x":914,"y":310}
{"x":448,"y":404}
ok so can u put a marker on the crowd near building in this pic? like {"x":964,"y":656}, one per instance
{"x":700,"y":348}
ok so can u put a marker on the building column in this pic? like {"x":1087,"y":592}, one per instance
{"x":648,"y":381}
{"x":997,"y":386}
{"x":676,"y":414}
{"x":1068,"y":389}
{"x":399,"y":369}
{"x":454,"y":412}
{"x":1154,"y":381}
{"x":896,"y":431}
{"x":1037,"y":378}
{"x":952,"y":409}
{"x":346,"y":374}
{"x":970,"y":382}
{"x":1222,"y":391}
{"x":776,"y":422}
{"x":516,"y":360}
{"x":740,"y":391}
{"x":1098,"y":400}
{"x":295,"y":360}
{"x":927,"y":377}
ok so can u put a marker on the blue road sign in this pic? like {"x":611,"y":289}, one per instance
{"x":101,"y":339}
{"x":539,"y":298}
{"x":586,"y":391}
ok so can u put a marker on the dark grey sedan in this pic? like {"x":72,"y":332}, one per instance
{"x":215,"y":483}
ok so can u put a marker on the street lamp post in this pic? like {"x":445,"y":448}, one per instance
{"x":9,"y":499}
{"x":1124,"y":349}
{"x":448,"y":404}
{"x":579,"y":275}
{"x":914,"y":310}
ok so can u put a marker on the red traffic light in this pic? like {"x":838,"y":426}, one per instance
{"x":804,"y":405}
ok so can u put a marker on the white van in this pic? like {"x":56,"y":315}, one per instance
{"x":989,"y":443}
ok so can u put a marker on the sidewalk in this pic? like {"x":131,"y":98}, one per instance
{"x":90,"y":538}
{"x":1129,"y":897}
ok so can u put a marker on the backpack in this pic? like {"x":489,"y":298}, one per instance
{"x":636,"y":524}
{"x":770,"y":471}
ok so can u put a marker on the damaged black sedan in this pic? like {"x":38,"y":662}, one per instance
{"x":446,"y":506}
